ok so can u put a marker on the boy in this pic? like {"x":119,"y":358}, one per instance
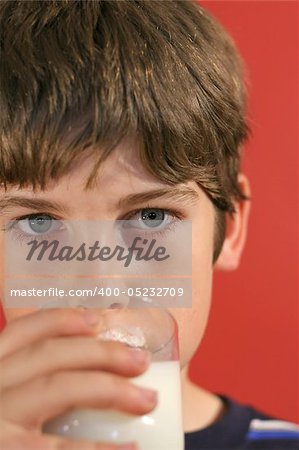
{"x":100,"y":101}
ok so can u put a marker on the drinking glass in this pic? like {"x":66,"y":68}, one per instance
{"x":155,"y":330}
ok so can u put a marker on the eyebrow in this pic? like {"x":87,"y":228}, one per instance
{"x":182,"y":193}
{"x":176,"y":193}
{"x":36,"y":204}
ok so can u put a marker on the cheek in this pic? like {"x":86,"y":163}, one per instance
{"x":9,"y":313}
{"x":192,"y":321}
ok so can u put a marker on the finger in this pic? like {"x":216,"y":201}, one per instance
{"x":15,"y":438}
{"x":45,"y":323}
{"x":35,"y":402}
{"x":68,"y":353}
{"x":54,"y":443}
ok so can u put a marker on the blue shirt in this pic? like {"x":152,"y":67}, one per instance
{"x":244,"y":428}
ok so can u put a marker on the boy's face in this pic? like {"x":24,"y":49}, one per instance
{"x":119,"y":176}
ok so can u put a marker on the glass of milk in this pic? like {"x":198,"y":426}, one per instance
{"x":153,"y":329}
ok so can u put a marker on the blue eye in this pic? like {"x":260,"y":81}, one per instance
{"x":38,"y":224}
{"x":152,"y":217}
{"x":149,"y":219}
{"x":35,"y":224}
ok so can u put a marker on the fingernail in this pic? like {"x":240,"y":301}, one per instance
{"x":140,"y":356}
{"x":149,"y":395}
{"x":90,"y":318}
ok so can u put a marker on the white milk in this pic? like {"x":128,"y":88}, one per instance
{"x":159,"y":430}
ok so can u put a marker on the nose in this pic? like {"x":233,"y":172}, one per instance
{"x":100,"y":294}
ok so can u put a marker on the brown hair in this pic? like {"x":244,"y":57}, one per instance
{"x":79,"y":73}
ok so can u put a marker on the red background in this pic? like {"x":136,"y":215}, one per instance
{"x":250,"y":350}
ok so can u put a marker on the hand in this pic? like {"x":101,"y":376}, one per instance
{"x":51,"y":363}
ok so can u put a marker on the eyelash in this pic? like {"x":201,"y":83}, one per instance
{"x":21,"y":237}
{"x":170,"y":227}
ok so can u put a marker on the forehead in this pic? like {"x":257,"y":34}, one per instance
{"x":123,"y":166}
{"x":120,"y":182}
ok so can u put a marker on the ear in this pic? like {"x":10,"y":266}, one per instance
{"x":236,"y":230}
